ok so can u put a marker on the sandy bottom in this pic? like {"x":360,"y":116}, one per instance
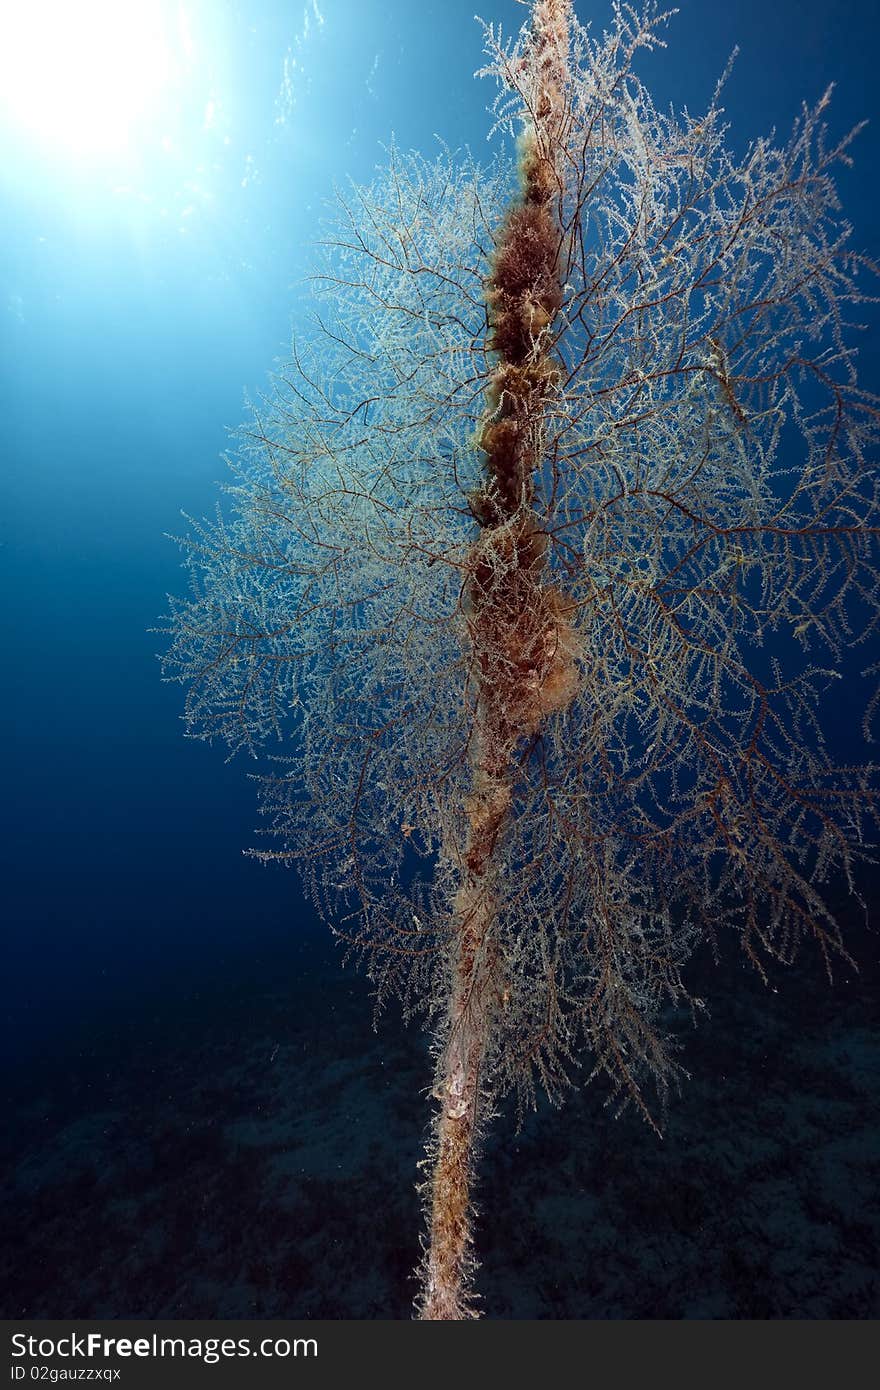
{"x":250,"y":1150}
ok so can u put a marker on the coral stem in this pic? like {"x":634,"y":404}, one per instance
{"x":522,"y":642}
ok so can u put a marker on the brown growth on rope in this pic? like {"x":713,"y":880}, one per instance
{"x":524,"y":651}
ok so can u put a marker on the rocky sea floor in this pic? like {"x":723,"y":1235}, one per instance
{"x":250,"y":1150}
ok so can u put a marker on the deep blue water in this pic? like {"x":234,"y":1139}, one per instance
{"x":175,"y":1021}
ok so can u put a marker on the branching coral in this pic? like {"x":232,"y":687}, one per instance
{"x":507,"y":542}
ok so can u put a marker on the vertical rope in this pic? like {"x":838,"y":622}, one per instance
{"x":523,"y":645}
